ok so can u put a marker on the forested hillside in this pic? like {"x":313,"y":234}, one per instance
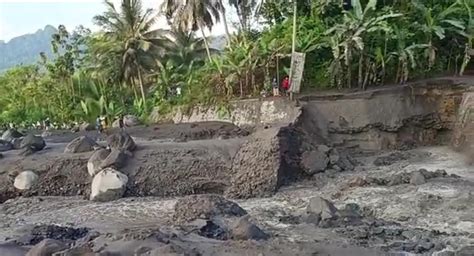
{"x":25,"y":49}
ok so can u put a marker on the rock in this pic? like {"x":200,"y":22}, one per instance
{"x":441,"y":173}
{"x":321,"y":207}
{"x":444,"y":253}
{"x":25,"y":180}
{"x":108,"y":185}
{"x":390,"y":159}
{"x":10,"y":134}
{"x":5,"y":145}
{"x":345,"y":162}
{"x":16,"y":142}
{"x":116,"y":124}
{"x":26,"y":151}
{"x":394,"y":180}
{"x":130,"y":120}
{"x":80,"y":145}
{"x":47,"y":247}
{"x":314,"y":162}
{"x":243,"y":229}
{"x":46,"y":134}
{"x":1,"y":155}
{"x":205,"y":207}
{"x":417,"y":178}
{"x":121,"y":141}
{"x":36,"y":143}
{"x":86,"y":127}
{"x":95,"y":161}
{"x":324,"y":149}
{"x":334,"y":157}
{"x":116,"y":159}
{"x":357,"y":182}
{"x":76,"y":251}
{"x":466,"y":251}
{"x":260,"y":167}
{"x":12,"y":249}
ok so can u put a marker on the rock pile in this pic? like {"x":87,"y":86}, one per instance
{"x":215,"y":217}
{"x":11,"y":134}
{"x":350,"y":222}
{"x":326,"y":159}
{"x":418,"y":177}
{"x":128,"y":121}
{"x":107,"y":182}
{"x":205,"y":207}
{"x":80,"y":145}
{"x":12,"y":139}
{"x":390,"y":159}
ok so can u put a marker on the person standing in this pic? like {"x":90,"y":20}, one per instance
{"x":98,"y":124}
{"x":285,"y":84}
{"x":276,"y":90}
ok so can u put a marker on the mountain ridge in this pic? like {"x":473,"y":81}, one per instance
{"x":25,"y":49}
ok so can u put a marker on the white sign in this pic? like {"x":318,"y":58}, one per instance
{"x":297,"y":71}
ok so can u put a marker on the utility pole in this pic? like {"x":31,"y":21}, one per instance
{"x":293,"y":46}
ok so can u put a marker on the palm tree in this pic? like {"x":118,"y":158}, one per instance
{"x":244,"y":9}
{"x":129,"y":33}
{"x":184,"y":48}
{"x":193,"y":15}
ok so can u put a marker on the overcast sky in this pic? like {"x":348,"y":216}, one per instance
{"x":19,"y":17}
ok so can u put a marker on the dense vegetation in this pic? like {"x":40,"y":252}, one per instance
{"x":131,"y":67}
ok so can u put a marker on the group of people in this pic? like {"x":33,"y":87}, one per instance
{"x":284,"y":86}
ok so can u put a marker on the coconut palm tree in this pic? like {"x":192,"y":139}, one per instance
{"x":184,"y":48}
{"x":193,"y":15}
{"x":128,"y":31}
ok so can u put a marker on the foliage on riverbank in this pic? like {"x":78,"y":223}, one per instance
{"x":131,"y":67}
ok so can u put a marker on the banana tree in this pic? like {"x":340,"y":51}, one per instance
{"x":435,"y":25}
{"x":357,"y":25}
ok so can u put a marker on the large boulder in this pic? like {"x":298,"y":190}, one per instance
{"x":417,"y":178}
{"x":314,"y":162}
{"x":5,"y":145}
{"x":116,"y":159}
{"x":80,"y":145}
{"x":36,"y":143}
{"x":205,"y":207}
{"x":10,"y":134}
{"x":108,"y":185}
{"x":25,"y":180}
{"x":267,"y":160}
{"x":86,"y":127}
{"x":130,"y":120}
{"x":16,"y":142}
{"x":243,"y":229}
{"x":47,"y":247}
{"x":321,"y":208}
{"x":95,"y":161}
{"x":121,"y":141}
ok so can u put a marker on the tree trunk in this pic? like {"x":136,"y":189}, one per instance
{"x":226,"y":26}
{"x":361,"y":70}
{"x":142,"y":89}
{"x":206,"y":44}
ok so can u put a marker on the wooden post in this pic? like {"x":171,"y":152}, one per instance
{"x":293,"y":46}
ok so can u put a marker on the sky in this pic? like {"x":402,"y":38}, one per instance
{"x":19,"y":17}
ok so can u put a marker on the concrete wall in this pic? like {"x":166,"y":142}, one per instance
{"x":244,"y":113}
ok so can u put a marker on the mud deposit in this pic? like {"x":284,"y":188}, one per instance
{"x":344,"y":183}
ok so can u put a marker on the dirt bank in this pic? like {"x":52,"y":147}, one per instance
{"x":173,"y":132}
